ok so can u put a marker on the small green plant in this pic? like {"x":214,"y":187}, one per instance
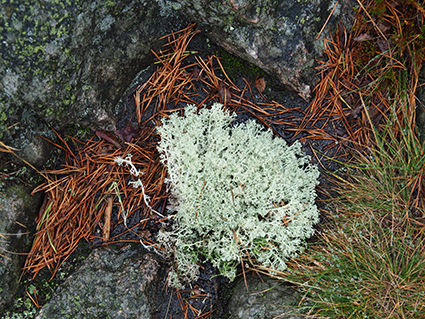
{"x":239,"y":193}
{"x":369,"y":261}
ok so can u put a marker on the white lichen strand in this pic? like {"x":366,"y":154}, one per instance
{"x":127,"y":162}
{"x":239,"y":191}
{"x":136,"y":184}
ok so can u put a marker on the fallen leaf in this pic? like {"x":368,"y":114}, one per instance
{"x":363,"y":37}
{"x":196,"y":73}
{"x":107,"y":219}
{"x":260,"y":83}
{"x":126,"y":134}
{"x":108,"y":138}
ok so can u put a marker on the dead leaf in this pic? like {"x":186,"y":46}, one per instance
{"x":107,"y":219}
{"x":384,"y":27}
{"x":196,"y":73}
{"x":126,"y":134}
{"x":363,"y":37}
{"x":260,"y":83}
{"x":108,"y":138}
{"x":383,"y":45}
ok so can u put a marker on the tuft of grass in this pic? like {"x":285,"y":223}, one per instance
{"x":369,"y":260}
{"x":368,"y":272}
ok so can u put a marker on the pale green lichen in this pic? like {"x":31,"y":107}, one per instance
{"x":237,"y":192}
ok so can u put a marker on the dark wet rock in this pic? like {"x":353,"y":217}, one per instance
{"x":18,"y":210}
{"x":36,"y":151}
{"x":266,"y":298}
{"x":420,"y":105}
{"x":110,"y":283}
{"x":27,"y":139}
{"x":278,"y":36}
{"x":69,"y":62}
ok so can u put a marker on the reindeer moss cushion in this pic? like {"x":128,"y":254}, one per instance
{"x":237,"y":190}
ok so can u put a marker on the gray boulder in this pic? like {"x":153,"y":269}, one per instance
{"x":265,"y":298}
{"x":278,"y":36}
{"x":111,"y":283}
{"x":68,"y":63}
{"x":18,"y":210}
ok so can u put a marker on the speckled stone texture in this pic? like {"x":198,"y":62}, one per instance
{"x":68,"y":62}
{"x":110,"y":283}
{"x":265,"y":298}
{"x":278,"y":36}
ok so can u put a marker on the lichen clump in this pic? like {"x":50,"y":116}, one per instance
{"x":237,"y":190}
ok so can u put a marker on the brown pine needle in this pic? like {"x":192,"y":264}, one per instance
{"x":82,"y":197}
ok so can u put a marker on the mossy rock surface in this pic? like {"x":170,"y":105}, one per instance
{"x":110,"y":283}
{"x":266,"y":298}
{"x":68,"y":62}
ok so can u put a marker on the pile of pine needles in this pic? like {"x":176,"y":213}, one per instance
{"x":368,"y":260}
{"x":369,"y":82}
{"x":364,"y":71}
{"x":200,"y":83}
{"x":80,"y":197}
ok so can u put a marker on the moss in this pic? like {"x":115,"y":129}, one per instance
{"x":109,"y":3}
{"x":233,"y":65}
